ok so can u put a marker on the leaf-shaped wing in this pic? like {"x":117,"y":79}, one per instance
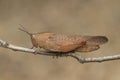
{"x":63,"y":43}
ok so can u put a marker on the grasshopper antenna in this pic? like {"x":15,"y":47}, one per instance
{"x":22,"y":28}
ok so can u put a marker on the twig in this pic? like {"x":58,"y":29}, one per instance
{"x":96,"y":59}
{"x":41,"y":52}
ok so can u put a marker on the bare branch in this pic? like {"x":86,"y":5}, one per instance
{"x":97,"y":59}
{"x":22,"y":49}
{"x":41,"y":52}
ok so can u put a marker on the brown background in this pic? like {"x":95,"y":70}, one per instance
{"x":75,"y":17}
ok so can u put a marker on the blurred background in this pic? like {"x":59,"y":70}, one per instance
{"x":73,"y":17}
